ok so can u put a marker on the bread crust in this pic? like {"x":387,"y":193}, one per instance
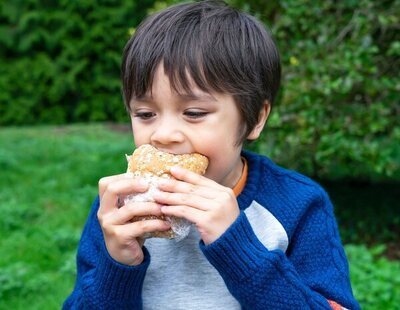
{"x":150,"y":163}
{"x":147,"y":160}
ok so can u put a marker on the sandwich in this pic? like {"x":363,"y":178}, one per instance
{"x":151,"y":164}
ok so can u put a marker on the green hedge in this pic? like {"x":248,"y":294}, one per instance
{"x":59,"y":60}
{"x":338,"y":111}
{"x":375,"y":280}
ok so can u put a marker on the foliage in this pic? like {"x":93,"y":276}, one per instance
{"x":376,"y":281}
{"x":59,"y":60}
{"x":338,"y":111}
{"x":47,"y":182}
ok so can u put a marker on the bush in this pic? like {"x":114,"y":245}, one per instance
{"x":376,"y":281}
{"x":59,"y":60}
{"x":338,"y":115}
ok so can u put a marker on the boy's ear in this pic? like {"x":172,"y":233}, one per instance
{"x":262,"y":118}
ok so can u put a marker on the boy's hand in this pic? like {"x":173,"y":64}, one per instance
{"x":209,"y":205}
{"x":123,"y":237}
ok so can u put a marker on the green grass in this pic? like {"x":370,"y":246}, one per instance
{"x":48,"y":180}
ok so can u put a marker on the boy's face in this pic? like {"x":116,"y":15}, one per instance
{"x":206,"y":123}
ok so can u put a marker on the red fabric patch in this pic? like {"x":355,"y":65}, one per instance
{"x":334,"y":305}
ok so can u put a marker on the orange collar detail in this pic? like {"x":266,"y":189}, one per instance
{"x":238,"y":188}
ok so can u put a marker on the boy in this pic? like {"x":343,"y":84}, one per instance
{"x":201,"y":77}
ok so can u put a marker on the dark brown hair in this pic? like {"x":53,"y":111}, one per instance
{"x":217,"y":47}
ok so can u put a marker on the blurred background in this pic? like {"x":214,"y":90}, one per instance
{"x":63,"y":126}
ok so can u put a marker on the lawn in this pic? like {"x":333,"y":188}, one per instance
{"x":48,"y":179}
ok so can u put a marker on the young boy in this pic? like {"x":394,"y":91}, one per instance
{"x":201,"y":77}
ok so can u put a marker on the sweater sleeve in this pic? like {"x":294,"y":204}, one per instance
{"x":312,"y":272}
{"x":103,"y":283}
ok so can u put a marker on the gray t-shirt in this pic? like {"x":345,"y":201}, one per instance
{"x":180,"y":277}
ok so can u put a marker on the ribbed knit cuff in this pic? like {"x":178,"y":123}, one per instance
{"x":238,"y":252}
{"x":120,"y":282}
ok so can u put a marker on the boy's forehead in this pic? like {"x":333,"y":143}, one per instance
{"x":161,"y":87}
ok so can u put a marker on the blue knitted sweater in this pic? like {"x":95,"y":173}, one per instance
{"x":283,"y":251}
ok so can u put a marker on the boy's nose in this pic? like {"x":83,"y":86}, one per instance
{"x":166,"y":133}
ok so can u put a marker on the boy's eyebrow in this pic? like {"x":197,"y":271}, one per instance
{"x":144,"y":98}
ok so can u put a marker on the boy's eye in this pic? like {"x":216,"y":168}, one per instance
{"x":144,"y":115}
{"x":195,"y":114}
